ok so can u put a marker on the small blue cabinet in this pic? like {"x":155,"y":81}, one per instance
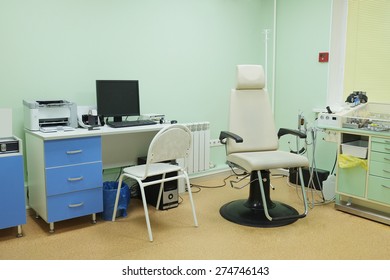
{"x":12,"y":196}
{"x":64,"y":177}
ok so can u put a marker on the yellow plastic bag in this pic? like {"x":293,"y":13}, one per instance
{"x":346,"y":161}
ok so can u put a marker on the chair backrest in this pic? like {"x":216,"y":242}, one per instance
{"x":170,"y":143}
{"x":250,"y":113}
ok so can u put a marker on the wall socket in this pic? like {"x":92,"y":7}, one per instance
{"x":215,"y":143}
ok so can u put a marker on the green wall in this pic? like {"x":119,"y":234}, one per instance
{"x":303,"y":30}
{"x":183,"y":52}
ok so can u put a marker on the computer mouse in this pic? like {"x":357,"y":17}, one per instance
{"x":173,"y":121}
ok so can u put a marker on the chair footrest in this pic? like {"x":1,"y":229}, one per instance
{"x":294,"y":217}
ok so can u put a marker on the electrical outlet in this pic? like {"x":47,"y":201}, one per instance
{"x":215,"y":143}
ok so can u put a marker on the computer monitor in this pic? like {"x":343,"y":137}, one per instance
{"x":117,"y":98}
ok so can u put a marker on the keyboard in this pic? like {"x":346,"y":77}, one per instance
{"x":130,"y":123}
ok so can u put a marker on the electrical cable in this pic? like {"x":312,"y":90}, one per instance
{"x":213,"y":187}
{"x":314,"y":169}
{"x":120,"y":172}
{"x":245,"y":174}
{"x":314,"y":175}
{"x":334,"y":165}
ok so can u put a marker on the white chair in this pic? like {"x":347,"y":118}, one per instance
{"x":252,"y":145}
{"x":171,"y":143}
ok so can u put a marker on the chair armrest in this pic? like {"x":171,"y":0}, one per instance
{"x":227,"y":134}
{"x":284,"y":131}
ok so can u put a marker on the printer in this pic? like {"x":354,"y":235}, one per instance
{"x":50,"y":115}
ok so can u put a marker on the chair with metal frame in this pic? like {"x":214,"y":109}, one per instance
{"x":171,"y":143}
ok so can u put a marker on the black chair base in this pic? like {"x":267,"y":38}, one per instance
{"x":250,"y":212}
{"x":237,"y":212}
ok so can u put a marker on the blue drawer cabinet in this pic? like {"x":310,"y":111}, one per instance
{"x":12,"y":197}
{"x":73,"y":178}
{"x":72,"y":151}
{"x":64,"y":177}
{"x":72,"y":205}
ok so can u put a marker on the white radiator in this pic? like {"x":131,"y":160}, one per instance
{"x":199,"y":159}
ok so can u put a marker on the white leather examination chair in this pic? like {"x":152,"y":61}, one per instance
{"x":252,"y":145}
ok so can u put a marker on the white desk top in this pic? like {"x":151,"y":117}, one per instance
{"x":102,"y":131}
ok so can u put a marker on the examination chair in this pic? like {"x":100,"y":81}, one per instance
{"x":252,"y":146}
{"x":171,"y":143}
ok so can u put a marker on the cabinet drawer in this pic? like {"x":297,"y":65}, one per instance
{"x":352,"y":181}
{"x":76,"y":204}
{"x":379,"y":189}
{"x":380,"y":169}
{"x":72,"y":151}
{"x":73,"y":178}
{"x":381,"y":157}
{"x":380,"y":145}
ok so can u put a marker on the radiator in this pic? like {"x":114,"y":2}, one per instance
{"x":199,"y":158}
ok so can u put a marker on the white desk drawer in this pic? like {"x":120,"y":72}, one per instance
{"x":76,"y":204}
{"x":72,"y":151}
{"x":73,"y":178}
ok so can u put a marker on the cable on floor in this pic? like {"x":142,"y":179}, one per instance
{"x":235,"y":174}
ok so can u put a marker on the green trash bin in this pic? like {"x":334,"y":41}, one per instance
{"x":109,"y":194}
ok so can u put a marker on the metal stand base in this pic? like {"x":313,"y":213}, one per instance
{"x":237,"y":212}
{"x":362,"y":211}
{"x":250,"y":212}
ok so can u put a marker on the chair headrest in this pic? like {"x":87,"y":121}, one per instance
{"x":250,"y":77}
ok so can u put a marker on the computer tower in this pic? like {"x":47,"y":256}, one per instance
{"x":170,"y":195}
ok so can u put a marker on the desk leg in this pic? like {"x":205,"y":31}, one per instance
{"x":20,"y":233}
{"x":94,"y":218}
{"x":51,"y":225}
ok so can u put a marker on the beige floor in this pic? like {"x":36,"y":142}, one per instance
{"x":324,"y":234}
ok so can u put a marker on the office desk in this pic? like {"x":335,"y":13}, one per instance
{"x":64,"y":169}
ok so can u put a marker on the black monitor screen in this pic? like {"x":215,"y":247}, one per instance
{"x":117,"y":98}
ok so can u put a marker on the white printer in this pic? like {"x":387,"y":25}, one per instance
{"x":50,"y":115}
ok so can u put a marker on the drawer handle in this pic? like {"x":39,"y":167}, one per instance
{"x":76,"y":205}
{"x":76,"y":179}
{"x":74,"y":152}
{"x":386,"y":171}
{"x":387,"y":187}
{"x":387,"y":149}
{"x":388,"y":159}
